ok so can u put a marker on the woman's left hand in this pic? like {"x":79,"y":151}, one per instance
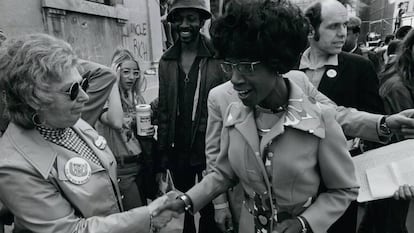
{"x":404,"y":192}
{"x":288,"y":226}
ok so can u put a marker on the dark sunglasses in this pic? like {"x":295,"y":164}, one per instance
{"x":241,"y":67}
{"x":73,"y":91}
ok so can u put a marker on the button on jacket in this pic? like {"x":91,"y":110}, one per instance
{"x":35,"y":188}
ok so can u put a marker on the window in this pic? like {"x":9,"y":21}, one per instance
{"x":106,"y":2}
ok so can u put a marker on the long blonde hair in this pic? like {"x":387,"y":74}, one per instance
{"x":121,"y":55}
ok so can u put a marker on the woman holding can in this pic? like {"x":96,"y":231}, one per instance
{"x":119,"y":126}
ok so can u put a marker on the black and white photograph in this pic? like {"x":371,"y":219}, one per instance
{"x":206,"y":116}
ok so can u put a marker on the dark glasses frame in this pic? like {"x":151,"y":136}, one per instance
{"x":241,"y":67}
{"x":73,"y":91}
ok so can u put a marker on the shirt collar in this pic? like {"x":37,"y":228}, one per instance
{"x":302,"y":113}
{"x":53,"y":135}
{"x":307,"y":63}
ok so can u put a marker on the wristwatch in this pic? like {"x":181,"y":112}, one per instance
{"x":383,"y":127}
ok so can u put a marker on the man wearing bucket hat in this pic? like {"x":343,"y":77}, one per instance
{"x":187,"y":71}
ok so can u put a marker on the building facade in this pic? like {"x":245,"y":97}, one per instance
{"x":385,"y":16}
{"x":94,"y":28}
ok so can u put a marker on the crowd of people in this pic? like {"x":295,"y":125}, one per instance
{"x":257,"y":125}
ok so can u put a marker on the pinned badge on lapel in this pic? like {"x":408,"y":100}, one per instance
{"x":78,"y":170}
{"x":100,"y":142}
{"x":331,"y":73}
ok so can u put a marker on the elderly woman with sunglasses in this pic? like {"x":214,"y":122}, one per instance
{"x":287,"y":151}
{"x":56,"y":173}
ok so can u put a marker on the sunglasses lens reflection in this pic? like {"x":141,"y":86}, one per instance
{"x":74,"y":91}
{"x":85,"y":85}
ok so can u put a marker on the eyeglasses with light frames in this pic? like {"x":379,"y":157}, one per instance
{"x":241,"y":67}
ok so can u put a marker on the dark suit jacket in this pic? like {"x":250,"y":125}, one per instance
{"x":354,"y":85}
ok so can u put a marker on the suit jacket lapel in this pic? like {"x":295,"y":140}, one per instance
{"x":248,"y":130}
{"x":276,"y":130}
{"x":90,"y":136}
{"x":331,"y":77}
{"x":243,"y":120}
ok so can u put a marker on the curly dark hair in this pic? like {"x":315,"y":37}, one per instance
{"x":271,"y":31}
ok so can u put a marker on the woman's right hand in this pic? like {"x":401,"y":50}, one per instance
{"x":171,"y":204}
{"x":162,"y":218}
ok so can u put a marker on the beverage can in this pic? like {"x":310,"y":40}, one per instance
{"x":144,"y":126}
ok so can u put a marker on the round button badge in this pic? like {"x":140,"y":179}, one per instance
{"x":78,"y":170}
{"x":100,"y":142}
{"x":331,"y":73}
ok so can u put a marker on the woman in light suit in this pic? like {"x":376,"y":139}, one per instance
{"x":56,"y":173}
{"x":287,"y":151}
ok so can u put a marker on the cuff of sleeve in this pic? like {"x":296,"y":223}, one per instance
{"x":221,"y":206}
{"x":220,"y":199}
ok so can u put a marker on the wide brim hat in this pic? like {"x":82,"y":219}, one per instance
{"x":199,"y":5}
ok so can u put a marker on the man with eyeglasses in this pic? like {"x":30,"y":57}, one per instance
{"x":187,"y":71}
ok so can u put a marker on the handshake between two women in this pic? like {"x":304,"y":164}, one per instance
{"x":164,"y":209}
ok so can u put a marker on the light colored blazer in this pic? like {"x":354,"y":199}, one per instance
{"x":34,"y":187}
{"x":353,"y":122}
{"x":296,"y":176}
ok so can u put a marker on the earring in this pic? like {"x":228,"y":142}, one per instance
{"x":36,"y":120}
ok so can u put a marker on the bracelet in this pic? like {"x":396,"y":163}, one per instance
{"x":221,"y":206}
{"x":302,"y":222}
{"x":152,"y":228}
{"x":187,"y":202}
